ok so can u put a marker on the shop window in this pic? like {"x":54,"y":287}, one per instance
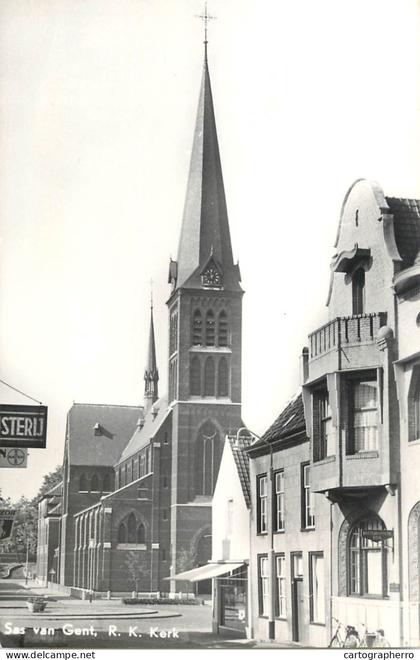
{"x":308,"y":509}
{"x":223,"y":330}
{"x":323,"y":440}
{"x":281,"y":586}
{"x":195,"y":377}
{"x":316,"y":588}
{"x":367,"y":559}
{"x":262,"y":504}
{"x":263,"y":586}
{"x":279,"y":501}
{"x":362,"y":416}
{"x":223,"y":378}
{"x":210,"y":328}
{"x":358,"y":291}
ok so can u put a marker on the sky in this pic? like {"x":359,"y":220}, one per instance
{"x":97,"y":110}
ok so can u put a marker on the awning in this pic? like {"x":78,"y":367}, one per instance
{"x":205,"y":572}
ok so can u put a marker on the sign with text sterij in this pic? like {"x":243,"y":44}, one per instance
{"x":7,"y":517}
{"x":23,"y":426}
{"x":13,"y":457}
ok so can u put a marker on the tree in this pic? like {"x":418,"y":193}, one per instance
{"x":25,"y":528}
{"x":50,"y":480}
{"x":136,"y":569}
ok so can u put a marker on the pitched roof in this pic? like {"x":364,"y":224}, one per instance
{"x":205,"y":226}
{"x":290,"y":422}
{"x":242,"y":466}
{"x":143,"y":433}
{"x":406,"y":214}
{"x":103,"y":446}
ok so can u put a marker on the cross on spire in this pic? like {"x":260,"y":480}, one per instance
{"x":206,"y":17}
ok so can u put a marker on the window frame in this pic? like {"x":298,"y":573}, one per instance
{"x":307,"y":499}
{"x":316,"y":555}
{"x":281,"y":587}
{"x":362,"y":564}
{"x":351,"y":410}
{"x":279,"y":496}
{"x":262,"y":505}
{"x":322,"y":421}
{"x":263,"y":585}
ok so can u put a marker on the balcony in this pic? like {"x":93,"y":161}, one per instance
{"x":345,"y":343}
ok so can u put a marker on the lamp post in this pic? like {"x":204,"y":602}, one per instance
{"x":270,"y":529}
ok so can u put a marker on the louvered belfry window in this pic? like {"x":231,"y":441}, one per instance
{"x":223,"y":330}
{"x":210,"y":328}
{"x":197,"y":329}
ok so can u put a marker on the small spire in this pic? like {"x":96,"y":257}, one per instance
{"x":151,"y":373}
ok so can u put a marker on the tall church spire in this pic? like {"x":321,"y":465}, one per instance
{"x":151,"y":374}
{"x":205,"y":227}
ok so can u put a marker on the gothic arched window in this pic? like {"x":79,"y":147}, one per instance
{"x":131,"y":528}
{"x":223,"y":378}
{"x":414,"y":405}
{"x":207,"y":459}
{"x":197,"y":329}
{"x":195,"y":377}
{"x":141,"y":534}
{"x":94,"y":484}
{"x":223,"y":330}
{"x":122,"y":533}
{"x":209,"y":377}
{"x":210,"y":328}
{"x":358,"y":291}
{"x":83,"y":483}
{"x":106,"y":486}
{"x":366,"y":559}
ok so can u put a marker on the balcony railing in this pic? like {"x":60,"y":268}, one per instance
{"x":344,"y":330}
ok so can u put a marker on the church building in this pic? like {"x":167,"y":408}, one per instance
{"x":138,"y":481}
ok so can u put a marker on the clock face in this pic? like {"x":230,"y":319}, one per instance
{"x":212,"y":277}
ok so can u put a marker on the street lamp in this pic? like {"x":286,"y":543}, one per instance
{"x":270,"y":516}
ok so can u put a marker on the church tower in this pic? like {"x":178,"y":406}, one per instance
{"x":205,"y":310}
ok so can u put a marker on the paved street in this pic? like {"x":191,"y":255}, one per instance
{"x":74,"y":623}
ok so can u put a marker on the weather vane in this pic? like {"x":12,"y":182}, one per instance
{"x":151,"y":294}
{"x":206,"y":17}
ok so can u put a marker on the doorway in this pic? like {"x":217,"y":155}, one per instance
{"x":297,"y":596}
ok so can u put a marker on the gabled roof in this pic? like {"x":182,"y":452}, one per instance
{"x":144,"y":433}
{"x":103,"y":446}
{"x":205,"y":225}
{"x":242,"y":466}
{"x":290,"y":422}
{"x":406,"y":214}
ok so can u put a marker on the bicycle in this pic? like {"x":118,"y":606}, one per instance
{"x":351,"y":639}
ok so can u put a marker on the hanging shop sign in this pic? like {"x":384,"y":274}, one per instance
{"x":7,"y":517}
{"x":23,"y":426}
{"x":13,"y":457}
